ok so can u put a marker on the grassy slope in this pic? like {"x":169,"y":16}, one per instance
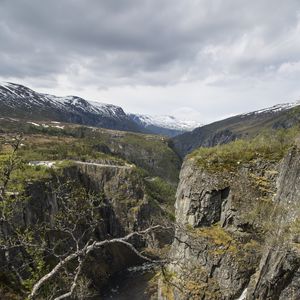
{"x":157,"y":165}
{"x":269,"y":145}
{"x":149,"y":152}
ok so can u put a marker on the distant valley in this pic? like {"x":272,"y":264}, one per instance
{"x":88,"y":189}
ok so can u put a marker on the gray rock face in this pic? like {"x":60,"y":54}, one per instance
{"x":200,"y":197}
{"x":278,"y":274}
{"x":125,"y":208}
{"x":235,"y":234}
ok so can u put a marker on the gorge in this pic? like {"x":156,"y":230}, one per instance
{"x":105,"y":200}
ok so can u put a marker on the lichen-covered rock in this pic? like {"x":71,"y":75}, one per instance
{"x":199,"y":197}
{"x":236,"y":236}
{"x":278,"y":273}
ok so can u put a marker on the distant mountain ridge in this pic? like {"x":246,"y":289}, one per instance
{"x":166,"y":125}
{"x":248,"y":124}
{"x":22,"y":102}
{"x":19,"y":101}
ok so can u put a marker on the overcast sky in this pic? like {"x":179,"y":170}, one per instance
{"x":195,"y":59}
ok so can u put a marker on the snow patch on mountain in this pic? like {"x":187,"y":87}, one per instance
{"x":274,"y":109}
{"x":15,"y":92}
{"x":19,"y":96}
{"x":165,"y":121}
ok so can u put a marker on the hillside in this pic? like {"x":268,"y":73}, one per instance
{"x":244,"y":125}
{"x":220,"y":241}
{"x":77,"y":142}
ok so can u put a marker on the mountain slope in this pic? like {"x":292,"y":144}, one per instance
{"x":22,"y":102}
{"x":249,"y":124}
{"x":165,"y":125}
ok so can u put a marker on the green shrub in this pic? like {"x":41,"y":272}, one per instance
{"x":160,"y":190}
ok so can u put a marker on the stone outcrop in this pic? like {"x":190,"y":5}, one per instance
{"x":237,"y":234}
{"x":278,"y":273}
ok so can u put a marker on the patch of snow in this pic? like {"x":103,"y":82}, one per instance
{"x":273,"y":109}
{"x":107,"y":109}
{"x":32,"y":123}
{"x":169,"y":122}
{"x":9,"y":87}
{"x":87,"y":106}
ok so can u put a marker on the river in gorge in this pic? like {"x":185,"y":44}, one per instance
{"x":135,"y":283}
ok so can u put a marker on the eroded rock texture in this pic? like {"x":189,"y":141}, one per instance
{"x":237,"y":234}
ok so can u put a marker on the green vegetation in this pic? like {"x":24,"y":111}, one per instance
{"x":216,"y":235}
{"x":271,"y":145}
{"x":24,"y":175}
{"x":189,"y":282}
{"x":160,"y":190}
{"x":75,"y":142}
{"x":26,"y":187}
{"x":153,"y":154}
{"x":64,"y":150}
{"x":58,"y":149}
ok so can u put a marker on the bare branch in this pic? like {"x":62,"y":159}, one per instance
{"x":74,"y":283}
{"x":86,"y":250}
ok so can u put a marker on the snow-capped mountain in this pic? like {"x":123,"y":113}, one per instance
{"x":273,"y":109}
{"x":19,"y":101}
{"x":245,"y":125}
{"x":22,"y":102}
{"x":167,"y":125}
{"x":165,"y":121}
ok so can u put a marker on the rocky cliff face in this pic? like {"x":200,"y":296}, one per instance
{"x":125,"y":207}
{"x":237,"y":232}
{"x":123,"y":190}
{"x":156,"y":157}
{"x":278,"y":274}
{"x":120,"y":188}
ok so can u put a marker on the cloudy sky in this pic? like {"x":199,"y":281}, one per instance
{"x":195,"y":59}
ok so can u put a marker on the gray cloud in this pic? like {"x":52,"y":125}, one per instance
{"x":127,"y":41}
{"x":105,"y":44}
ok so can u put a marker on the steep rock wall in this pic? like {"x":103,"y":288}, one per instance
{"x":125,"y":207}
{"x":234,"y":236}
